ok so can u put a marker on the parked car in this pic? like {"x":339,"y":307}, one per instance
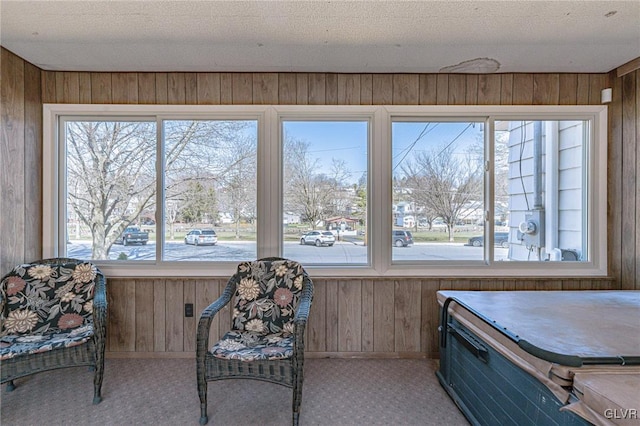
{"x":500,"y":239}
{"x":319,"y":238}
{"x":201,"y":237}
{"x":131,"y":235}
{"x":402,"y":238}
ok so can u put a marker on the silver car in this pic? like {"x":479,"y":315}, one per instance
{"x":199,"y":237}
{"x":319,"y":238}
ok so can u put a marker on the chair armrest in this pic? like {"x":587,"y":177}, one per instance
{"x":100,"y":306}
{"x":204,"y":324}
{"x":302,"y":313}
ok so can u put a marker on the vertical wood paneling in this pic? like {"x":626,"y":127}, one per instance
{"x":265,"y":88}
{"x":208,"y":88}
{"x":471,"y":91}
{"x":124,"y":88}
{"x":68,"y":87}
{"x":189,"y":334}
{"x":191,"y":88}
{"x":348,"y":89}
{"x":174,"y":303}
{"x":629,"y":189}
{"x":489,"y":89}
{"x":121,"y":331}
{"x":32,"y":161}
{"x":176,"y":92}
{"x":162,"y":87}
{"x":383,"y":320}
{"x":366,"y":89}
{"x":287,"y":94}
{"x":382,"y":89}
{"x":428,"y":89}
{"x":226,"y":88}
{"x":317,"y":89}
{"x":637,"y":178}
{"x":597,"y":82}
{"x":506,"y":89}
{"x":146,"y":88}
{"x":457,"y":90}
{"x":144,"y":337}
{"x":242,"y":88}
{"x":101,"y":88}
{"x":48,"y":87}
{"x":582,"y":89}
{"x":367,"y":316}
{"x":522,"y":89}
{"x":159,"y":315}
{"x":350,"y":316}
{"x":302,"y":86}
{"x":84,"y":87}
{"x":12,"y":156}
{"x":332,"y":315}
{"x":567,"y":91}
{"x":405,"y":89}
{"x":317,"y":326}
{"x":442,"y":89}
{"x":546,"y":89}
{"x":331,"y":89}
{"x":408,"y":297}
{"x":615,"y":180}
{"x":429,"y":318}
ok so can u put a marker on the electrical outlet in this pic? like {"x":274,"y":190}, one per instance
{"x":188,"y":310}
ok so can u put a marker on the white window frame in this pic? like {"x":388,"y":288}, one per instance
{"x":379,"y":183}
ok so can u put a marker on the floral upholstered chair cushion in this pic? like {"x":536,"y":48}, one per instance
{"x":46,"y":306}
{"x":267,"y":296}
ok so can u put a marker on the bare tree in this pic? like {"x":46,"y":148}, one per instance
{"x":111,"y":169}
{"x":110,"y":176}
{"x":445,"y":184}
{"x":310,"y":192}
{"x":238,"y":183}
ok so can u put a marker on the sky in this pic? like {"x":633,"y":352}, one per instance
{"x":347,"y":140}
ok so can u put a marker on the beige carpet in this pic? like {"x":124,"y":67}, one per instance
{"x":164,"y":392}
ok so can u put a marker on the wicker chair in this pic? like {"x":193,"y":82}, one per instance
{"x":266,"y":342}
{"x":54,"y":315}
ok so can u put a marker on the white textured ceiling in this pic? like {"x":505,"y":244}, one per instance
{"x":323,"y":36}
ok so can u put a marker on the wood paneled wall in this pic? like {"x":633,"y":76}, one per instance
{"x":349,"y":318}
{"x":355,"y":317}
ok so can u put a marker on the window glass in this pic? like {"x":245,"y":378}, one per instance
{"x":325,"y":191}
{"x":110,"y":189}
{"x":210,"y":209}
{"x":438,"y":190}
{"x":540,"y":201}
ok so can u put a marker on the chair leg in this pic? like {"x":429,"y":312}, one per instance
{"x":202,"y":393}
{"x":297,"y":396}
{"x":97,"y":383}
{"x":10,"y":386}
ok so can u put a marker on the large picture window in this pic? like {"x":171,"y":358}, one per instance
{"x":347,"y":190}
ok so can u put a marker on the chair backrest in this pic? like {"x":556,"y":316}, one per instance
{"x":267,"y":295}
{"x":47,"y":296}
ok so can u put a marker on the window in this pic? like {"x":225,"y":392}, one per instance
{"x":325,"y":188}
{"x":438,"y":188}
{"x":347,"y":190}
{"x":210,"y":176}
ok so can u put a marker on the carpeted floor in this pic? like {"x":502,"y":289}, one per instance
{"x":163,"y":392}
